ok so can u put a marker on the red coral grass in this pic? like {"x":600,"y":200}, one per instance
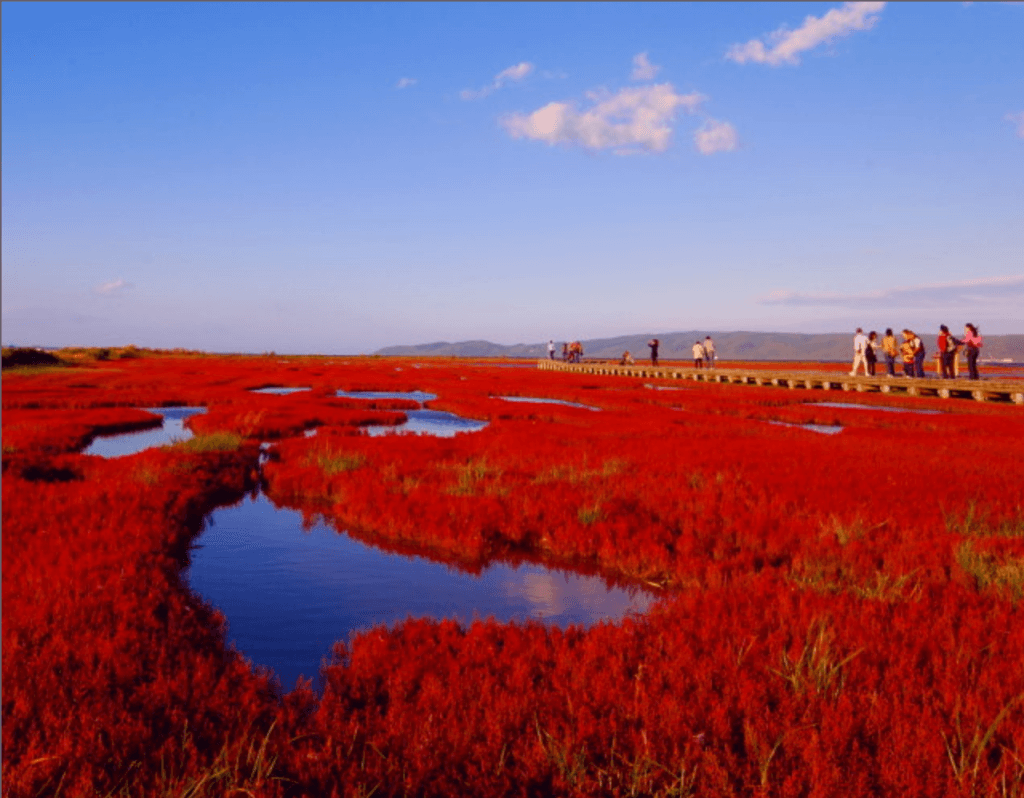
{"x":841,"y":615}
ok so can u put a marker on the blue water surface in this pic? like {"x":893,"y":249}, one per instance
{"x":124,"y":443}
{"x":537,"y":399}
{"x":289,"y":593}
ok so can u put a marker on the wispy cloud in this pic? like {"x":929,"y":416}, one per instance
{"x":715,"y":136}
{"x":405,"y":83}
{"x":983,"y":289}
{"x":511,"y":75}
{"x":629,"y":121}
{"x":784,"y":46}
{"x":113,"y":288}
{"x":1018,"y":120}
{"x":643,"y":69}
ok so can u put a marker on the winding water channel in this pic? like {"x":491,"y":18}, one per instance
{"x":289,"y":593}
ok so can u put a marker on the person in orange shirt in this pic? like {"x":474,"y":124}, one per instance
{"x":891,"y":351}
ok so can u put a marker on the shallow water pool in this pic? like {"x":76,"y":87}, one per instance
{"x":125,"y":443}
{"x":416,"y":396}
{"x":289,"y":593}
{"x":429,"y":422}
{"x":824,"y":429}
{"x":279,"y":391}
{"x":540,"y":400}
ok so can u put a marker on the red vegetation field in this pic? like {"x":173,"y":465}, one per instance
{"x":842,"y":615}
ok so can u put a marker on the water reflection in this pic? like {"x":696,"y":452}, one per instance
{"x":416,"y":396}
{"x":546,"y":401}
{"x":824,"y":429}
{"x":430,"y":422}
{"x":288,"y":594}
{"x":126,"y":443}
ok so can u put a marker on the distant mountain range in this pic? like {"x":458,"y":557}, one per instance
{"x":678,"y":346}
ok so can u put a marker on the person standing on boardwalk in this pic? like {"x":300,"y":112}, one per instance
{"x":972,"y":339}
{"x":551,"y":349}
{"x":946,"y":344}
{"x":891,"y":350}
{"x":654,"y":343}
{"x":907,"y":353}
{"x":709,"y":352}
{"x":698,"y":354}
{"x":860,"y":343}
{"x":869,"y":352}
{"x":919,"y":353}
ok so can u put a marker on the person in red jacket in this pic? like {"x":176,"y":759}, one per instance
{"x":946,"y":349}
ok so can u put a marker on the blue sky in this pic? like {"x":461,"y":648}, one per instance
{"x":335,"y":178}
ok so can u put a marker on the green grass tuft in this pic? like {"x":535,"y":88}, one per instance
{"x":212,"y":442}
{"x":988,"y":572}
{"x":333,"y":462}
{"x":977,"y":523}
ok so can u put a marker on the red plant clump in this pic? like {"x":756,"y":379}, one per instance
{"x":842,"y":615}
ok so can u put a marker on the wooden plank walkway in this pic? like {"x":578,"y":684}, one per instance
{"x":981,"y":390}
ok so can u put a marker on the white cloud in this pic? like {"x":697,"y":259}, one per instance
{"x":113,"y":288}
{"x":987,"y":289}
{"x":517,"y":72}
{"x":785,"y":45}
{"x":633,"y":120}
{"x":512,"y":74}
{"x":644,"y":69}
{"x":715,"y":136}
{"x":1018,"y":120}
{"x":405,"y":83}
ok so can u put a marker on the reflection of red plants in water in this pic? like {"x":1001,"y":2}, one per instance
{"x":842,"y":613}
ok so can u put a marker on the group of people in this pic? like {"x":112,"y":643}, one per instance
{"x":911,"y":351}
{"x":572,"y":351}
{"x":703,"y":354}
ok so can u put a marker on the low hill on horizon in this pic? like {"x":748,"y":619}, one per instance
{"x":740,"y":345}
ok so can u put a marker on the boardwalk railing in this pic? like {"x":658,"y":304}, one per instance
{"x":981,"y":390}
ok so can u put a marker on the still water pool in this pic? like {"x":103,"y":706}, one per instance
{"x":540,"y":400}
{"x":125,"y":443}
{"x":824,"y":429}
{"x":416,"y":396}
{"x":278,"y":390}
{"x":289,"y":593}
{"x":429,"y":422}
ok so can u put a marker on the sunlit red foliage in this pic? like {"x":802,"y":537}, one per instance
{"x":841,"y":614}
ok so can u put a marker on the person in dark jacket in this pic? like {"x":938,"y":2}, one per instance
{"x":653,"y":344}
{"x":869,"y":352}
{"x":972,"y":339}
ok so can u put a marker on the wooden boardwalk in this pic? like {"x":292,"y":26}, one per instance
{"x":981,"y":390}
